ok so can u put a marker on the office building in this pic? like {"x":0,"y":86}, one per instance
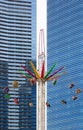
{"x":17,"y":46}
{"x":3,"y":101}
{"x":64,"y":46}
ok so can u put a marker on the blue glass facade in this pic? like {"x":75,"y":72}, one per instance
{"x":17,"y":47}
{"x":27,"y":107}
{"x":65,"y":47}
{"x":3,"y":101}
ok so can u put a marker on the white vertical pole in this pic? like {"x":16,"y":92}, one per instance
{"x":41,"y":106}
{"x":41,"y":85}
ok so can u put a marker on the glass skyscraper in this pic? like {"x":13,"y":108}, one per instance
{"x":17,"y":47}
{"x":3,"y":102}
{"x":65,"y":47}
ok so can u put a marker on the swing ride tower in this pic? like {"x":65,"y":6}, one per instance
{"x":41,"y":84}
{"x":41,"y":64}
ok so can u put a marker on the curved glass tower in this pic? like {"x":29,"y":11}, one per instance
{"x":65,"y":47}
{"x":17,"y":33}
